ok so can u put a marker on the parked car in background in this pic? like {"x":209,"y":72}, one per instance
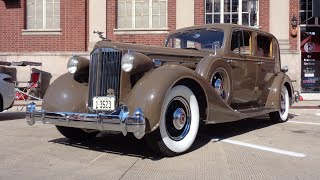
{"x":7,"y":92}
{"x":204,"y":75}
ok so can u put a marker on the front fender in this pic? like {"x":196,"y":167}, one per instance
{"x":66,"y":95}
{"x":151,"y":90}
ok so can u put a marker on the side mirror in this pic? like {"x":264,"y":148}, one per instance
{"x":284,"y":69}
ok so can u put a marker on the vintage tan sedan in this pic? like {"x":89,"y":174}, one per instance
{"x":204,"y":75}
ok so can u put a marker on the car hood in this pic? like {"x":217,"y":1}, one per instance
{"x":154,"y":50}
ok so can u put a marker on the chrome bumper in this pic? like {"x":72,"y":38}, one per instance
{"x":120,"y":121}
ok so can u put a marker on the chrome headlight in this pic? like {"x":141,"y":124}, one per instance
{"x":127,"y":62}
{"x":72,"y":65}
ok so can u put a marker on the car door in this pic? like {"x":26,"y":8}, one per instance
{"x":243,"y":70}
{"x":265,"y":66}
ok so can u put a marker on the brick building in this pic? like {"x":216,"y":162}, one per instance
{"x":50,"y":31}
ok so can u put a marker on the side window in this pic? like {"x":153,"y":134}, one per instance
{"x":241,"y":42}
{"x":264,"y":46}
{"x":174,"y":43}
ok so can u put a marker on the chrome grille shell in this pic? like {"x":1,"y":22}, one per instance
{"x":104,"y":74}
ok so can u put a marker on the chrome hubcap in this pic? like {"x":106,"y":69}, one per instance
{"x":179,"y":118}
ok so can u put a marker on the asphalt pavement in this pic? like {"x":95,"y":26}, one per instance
{"x":247,"y":149}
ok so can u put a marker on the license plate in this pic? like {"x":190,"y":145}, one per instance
{"x":104,"y":103}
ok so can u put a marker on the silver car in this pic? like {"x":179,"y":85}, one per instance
{"x":7,"y":92}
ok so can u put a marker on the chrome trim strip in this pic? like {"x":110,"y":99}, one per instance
{"x":121,"y":122}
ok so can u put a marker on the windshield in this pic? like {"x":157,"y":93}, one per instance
{"x":210,"y":39}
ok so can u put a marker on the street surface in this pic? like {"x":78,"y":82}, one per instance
{"x":247,"y":149}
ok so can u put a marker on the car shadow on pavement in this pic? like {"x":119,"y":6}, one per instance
{"x":6,"y":116}
{"x":116,"y":143}
{"x":227,"y":130}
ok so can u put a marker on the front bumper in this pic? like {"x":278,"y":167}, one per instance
{"x":117,"y":121}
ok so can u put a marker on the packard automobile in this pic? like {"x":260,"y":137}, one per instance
{"x":203,"y":75}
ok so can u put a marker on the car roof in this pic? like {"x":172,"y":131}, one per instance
{"x":225,"y":27}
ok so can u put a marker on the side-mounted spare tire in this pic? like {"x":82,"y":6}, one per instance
{"x":219,"y":74}
{"x":221,"y":82}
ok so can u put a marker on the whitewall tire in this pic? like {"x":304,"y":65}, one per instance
{"x":283,"y":114}
{"x":179,"y":121}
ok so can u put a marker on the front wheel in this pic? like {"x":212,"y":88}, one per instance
{"x":179,"y":122}
{"x":283,"y":114}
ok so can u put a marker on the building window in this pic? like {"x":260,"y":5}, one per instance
{"x":306,"y":13}
{"x":243,"y":12}
{"x":43,"y":14}
{"x":142,"y":14}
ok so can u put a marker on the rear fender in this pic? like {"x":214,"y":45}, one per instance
{"x":280,"y":80}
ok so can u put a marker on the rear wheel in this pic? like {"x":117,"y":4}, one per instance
{"x":76,"y":133}
{"x":179,"y":122}
{"x":283,"y":114}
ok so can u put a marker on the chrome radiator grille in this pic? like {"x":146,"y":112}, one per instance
{"x":104,"y":74}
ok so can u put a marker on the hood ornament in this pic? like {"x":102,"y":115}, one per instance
{"x":101,"y":35}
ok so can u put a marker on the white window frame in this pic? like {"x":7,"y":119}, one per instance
{"x":148,"y":30}
{"x":44,"y":18}
{"x":240,"y":13}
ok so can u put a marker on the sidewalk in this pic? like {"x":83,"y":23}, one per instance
{"x":306,"y":107}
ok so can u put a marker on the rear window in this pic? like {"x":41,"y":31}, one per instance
{"x":264,"y":46}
